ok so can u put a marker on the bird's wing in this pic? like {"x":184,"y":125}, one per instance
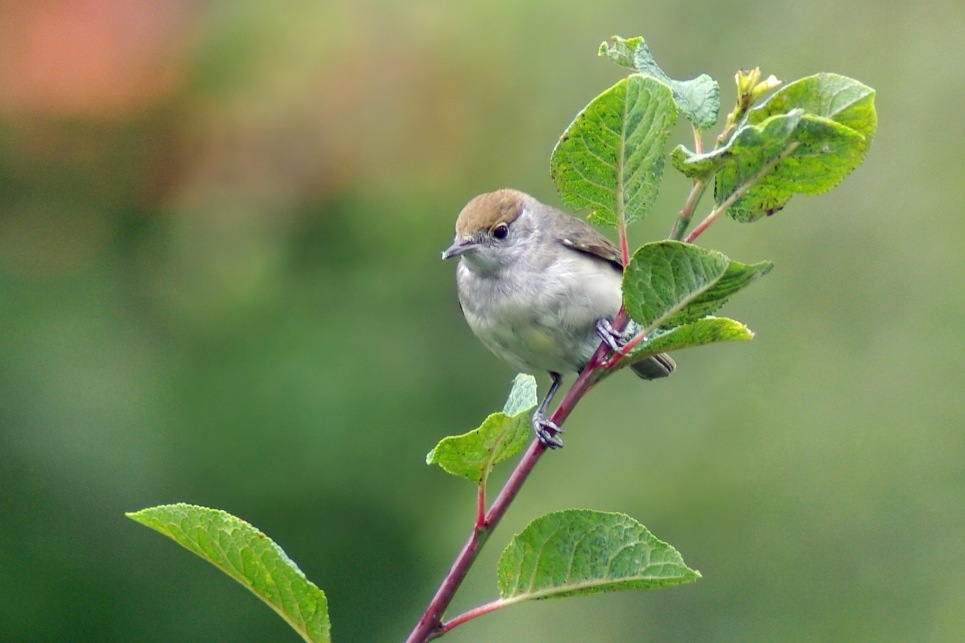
{"x":584,"y":238}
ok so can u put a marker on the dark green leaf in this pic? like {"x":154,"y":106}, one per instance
{"x":577,"y":551}
{"x":502,"y":435}
{"x":803,"y":140}
{"x":823,"y":153}
{"x":610,"y":159}
{"x":248,"y":556}
{"x":669,"y":283}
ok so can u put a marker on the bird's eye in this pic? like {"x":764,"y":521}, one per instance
{"x":500,"y":231}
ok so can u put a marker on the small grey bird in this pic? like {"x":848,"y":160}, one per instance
{"x":539,"y":288}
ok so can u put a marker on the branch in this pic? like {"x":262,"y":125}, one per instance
{"x":430,"y":625}
{"x":471,"y":614}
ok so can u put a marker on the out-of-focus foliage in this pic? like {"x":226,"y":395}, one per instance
{"x":219,"y":234}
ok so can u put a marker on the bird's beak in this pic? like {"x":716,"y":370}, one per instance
{"x":458,"y":248}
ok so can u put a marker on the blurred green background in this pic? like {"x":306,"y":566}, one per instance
{"x":220,"y":226}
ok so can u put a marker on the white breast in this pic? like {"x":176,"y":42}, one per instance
{"x":541,"y":318}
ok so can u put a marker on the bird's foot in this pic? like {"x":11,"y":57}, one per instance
{"x":547,"y":431}
{"x":615,"y":341}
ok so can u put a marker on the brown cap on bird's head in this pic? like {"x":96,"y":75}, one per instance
{"x":487,"y":210}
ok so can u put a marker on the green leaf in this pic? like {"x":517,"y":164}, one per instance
{"x":832,"y":139}
{"x":698,"y":99}
{"x":610,"y":159}
{"x":522,"y":396}
{"x":750,"y":146}
{"x":707,"y":330}
{"x":248,"y":556}
{"x":669,"y":283}
{"x":823,"y":153}
{"x":833,"y":96}
{"x":578,"y":551}
{"x":502,"y":435}
{"x":804,"y":139}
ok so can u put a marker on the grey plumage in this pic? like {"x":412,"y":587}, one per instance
{"x":534,"y":284}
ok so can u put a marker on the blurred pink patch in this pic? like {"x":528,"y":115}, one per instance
{"x":90,"y":58}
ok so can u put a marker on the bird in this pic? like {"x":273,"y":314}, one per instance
{"x":540,"y":288}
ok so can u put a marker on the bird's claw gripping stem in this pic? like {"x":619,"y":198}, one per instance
{"x":547,"y":431}
{"x":615,"y":341}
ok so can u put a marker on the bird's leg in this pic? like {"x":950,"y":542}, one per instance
{"x":615,"y":341}
{"x":546,"y":430}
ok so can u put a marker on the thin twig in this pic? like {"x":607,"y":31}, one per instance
{"x":456,"y":621}
{"x":741,"y":191}
{"x":481,"y":505}
{"x":687,"y":211}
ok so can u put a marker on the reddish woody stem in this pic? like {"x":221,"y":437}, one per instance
{"x":471,"y":614}
{"x":430,"y":625}
{"x":481,"y":505}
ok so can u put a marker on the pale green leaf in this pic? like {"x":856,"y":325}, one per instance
{"x":707,"y":330}
{"x":697,"y":99}
{"x":522,"y":396}
{"x":502,"y":435}
{"x":833,"y":96}
{"x":610,"y":159}
{"x":578,"y":551}
{"x":248,"y":556}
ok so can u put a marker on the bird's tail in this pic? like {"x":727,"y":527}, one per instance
{"x":657,"y":366}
